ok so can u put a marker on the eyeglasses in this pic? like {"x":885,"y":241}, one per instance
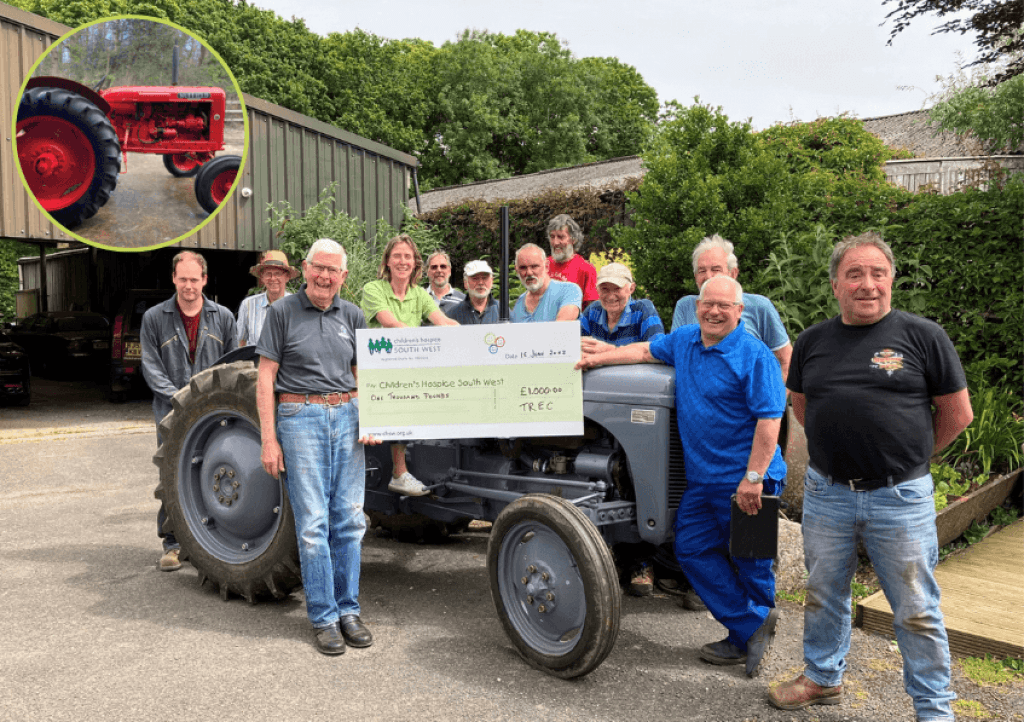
{"x":325,"y":270}
{"x":722,"y":306}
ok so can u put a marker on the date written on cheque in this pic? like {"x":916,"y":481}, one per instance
{"x":540,"y":403}
{"x":552,"y":353}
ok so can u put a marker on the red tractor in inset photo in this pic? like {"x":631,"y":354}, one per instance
{"x":71,"y":138}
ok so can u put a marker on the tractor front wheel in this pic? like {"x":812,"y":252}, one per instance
{"x":214,"y":181}
{"x":69,"y":153}
{"x":185,"y":165}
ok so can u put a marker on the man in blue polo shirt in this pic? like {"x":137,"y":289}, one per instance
{"x":729,"y":405}
{"x":714,"y":256}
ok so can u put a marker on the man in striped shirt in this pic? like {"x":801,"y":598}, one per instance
{"x":618,"y":319}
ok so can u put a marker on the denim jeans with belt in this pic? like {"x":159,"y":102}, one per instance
{"x":897,"y":525}
{"x":325,"y":478}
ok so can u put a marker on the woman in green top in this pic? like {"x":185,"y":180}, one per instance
{"x":396,"y":300}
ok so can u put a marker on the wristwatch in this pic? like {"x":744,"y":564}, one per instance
{"x":753,"y":477}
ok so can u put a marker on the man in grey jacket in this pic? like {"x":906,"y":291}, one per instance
{"x":182,"y":336}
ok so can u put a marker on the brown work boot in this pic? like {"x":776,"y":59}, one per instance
{"x":641,"y":582}
{"x":169,"y":562}
{"x":802,"y":692}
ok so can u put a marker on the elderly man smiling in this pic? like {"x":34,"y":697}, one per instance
{"x":729,"y":404}
{"x":618,"y":319}
{"x":309,"y":421}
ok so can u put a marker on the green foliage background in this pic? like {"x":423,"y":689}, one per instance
{"x":10,"y":252}
{"x":484,"y":106}
{"x":130,"y":51}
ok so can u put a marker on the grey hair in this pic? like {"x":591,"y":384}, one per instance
{"x":326,"y":245}
{"x":715,"y":241}
{"x":439,"y":252}
{"x":736,"y":285}
{"x":850,"y":242}
{"x":531,"y":247}
{"x":563,"y":222}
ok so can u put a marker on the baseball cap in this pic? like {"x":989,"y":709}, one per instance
{"x":475,"y":267}
{"x":616,"y":273}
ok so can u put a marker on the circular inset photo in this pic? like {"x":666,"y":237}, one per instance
{"x":130,"y":133}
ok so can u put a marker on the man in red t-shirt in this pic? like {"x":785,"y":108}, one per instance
{"x":565,"y":264}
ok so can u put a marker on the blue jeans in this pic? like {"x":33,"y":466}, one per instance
{"x":325,"y":478}
{"x":897,"y":526}
{"x":738,"y":592}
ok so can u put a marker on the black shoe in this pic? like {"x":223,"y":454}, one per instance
{"x":724,"y":652}
{"x":355,"y":632}
{"x":329,"y":641}
{"x":759,"y":646}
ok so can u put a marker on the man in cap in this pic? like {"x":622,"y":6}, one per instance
{"x":180,"y":337}
{"x":618,"y":319}
{"x":439,"y":271}
{"x":274,"y":273}
{"x":478,"y":306}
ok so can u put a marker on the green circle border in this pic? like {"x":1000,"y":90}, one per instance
{"x":162,"y":244}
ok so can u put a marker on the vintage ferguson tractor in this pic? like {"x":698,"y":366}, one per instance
{"x":71,"y":139}
{"x":558,"y":504}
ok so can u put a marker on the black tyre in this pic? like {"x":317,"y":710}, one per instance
{"x":182,"y":165}
{"x":412,"y":528}
{"x":232,"y":519}
{"x":69,"y":153}
{"x":554,"y":585}
{"x":214,"y":181}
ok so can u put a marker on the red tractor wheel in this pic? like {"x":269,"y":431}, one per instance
{"x":185,"y":165}
{"x":215,"y":180}
{"x":69,"y":153}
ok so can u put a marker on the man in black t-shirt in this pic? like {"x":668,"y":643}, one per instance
{"x":864,"y":385}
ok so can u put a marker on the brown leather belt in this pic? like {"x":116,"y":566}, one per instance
{"x":332,"y":399}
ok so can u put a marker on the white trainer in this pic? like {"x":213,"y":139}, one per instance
{"x":407,"y":485}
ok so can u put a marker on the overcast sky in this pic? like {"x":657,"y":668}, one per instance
{"x":770,"y":60}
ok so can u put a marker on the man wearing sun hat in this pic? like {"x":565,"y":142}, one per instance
{"x":479,"y":306}
{"x":274,"y":273}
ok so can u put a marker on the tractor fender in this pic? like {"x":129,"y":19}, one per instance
{"x":49,"y":81}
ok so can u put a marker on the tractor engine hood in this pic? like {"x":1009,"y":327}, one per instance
{"x":637,"y":384}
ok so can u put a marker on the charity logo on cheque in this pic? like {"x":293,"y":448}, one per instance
{"x":494,"y":342}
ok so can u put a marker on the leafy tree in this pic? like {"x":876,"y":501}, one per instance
{"x":10,"y":252}
{"x":993,"y":115}
{"x":998,"y":24}
{"x":705,"y":175}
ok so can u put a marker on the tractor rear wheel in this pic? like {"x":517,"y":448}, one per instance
{"x":214,"y":181}
{"x":232,"y":519}
{"x":69,"y":153}
{"x":184,"y":165}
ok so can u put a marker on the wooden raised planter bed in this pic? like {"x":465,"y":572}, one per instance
{"x":958,"y":516}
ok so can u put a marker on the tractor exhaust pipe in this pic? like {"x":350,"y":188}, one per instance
{"x":503,"y":304}
{"x":174,"y":65}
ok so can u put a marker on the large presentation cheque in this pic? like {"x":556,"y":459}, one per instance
{"x":465,"y":382}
